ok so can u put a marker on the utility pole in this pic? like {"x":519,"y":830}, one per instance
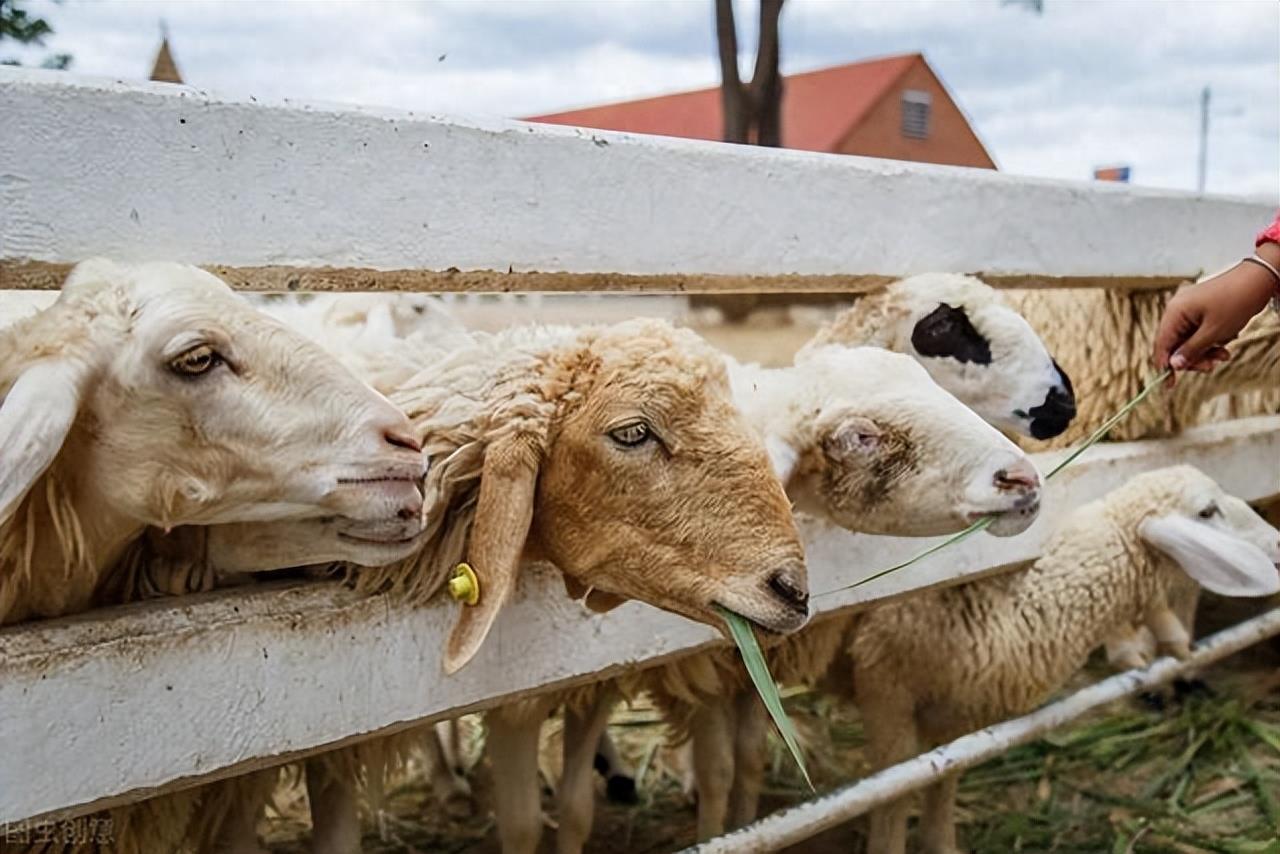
{"x":1204,"y":139}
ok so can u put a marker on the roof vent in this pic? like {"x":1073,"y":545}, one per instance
{"x":915,"y":113}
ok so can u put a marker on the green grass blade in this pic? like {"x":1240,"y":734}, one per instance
{"x":1109,"y":425}
{"x":977,"y":526}
{"x":753,"y":658}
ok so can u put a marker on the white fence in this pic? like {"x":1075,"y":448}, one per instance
{"x":112,"y":706}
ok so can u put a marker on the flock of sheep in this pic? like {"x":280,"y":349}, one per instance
{"x":160,"y":435}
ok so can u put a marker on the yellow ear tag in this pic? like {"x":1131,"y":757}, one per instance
{"x":464,"y":585}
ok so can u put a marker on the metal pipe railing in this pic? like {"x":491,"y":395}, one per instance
{"x":803,"y":821}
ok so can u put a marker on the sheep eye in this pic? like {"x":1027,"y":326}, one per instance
{"x":196,"y":362}
{"x":631,"y":435}
{"x":1210,"y":511}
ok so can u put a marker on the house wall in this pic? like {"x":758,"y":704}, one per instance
{"x":950,"y":141}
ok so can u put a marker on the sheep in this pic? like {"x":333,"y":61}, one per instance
{"x":377,"y":335}
{"x":973,"y":345}
{"x":963,"y":469}
{"x":152,"y":395}
{"x":972,"y":342}
{"x":615,"y":454}
{"x":862,"y":437}
{"x":1104,"y":338}
{"x":1013,"y":640}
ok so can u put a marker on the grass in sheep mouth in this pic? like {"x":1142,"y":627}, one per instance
{"x":752,"y":656}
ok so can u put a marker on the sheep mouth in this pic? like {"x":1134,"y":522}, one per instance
{"x":370,"y":541}
{"x":777,"y":630}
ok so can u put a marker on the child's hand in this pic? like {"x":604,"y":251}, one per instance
{"x":1202,"y":317}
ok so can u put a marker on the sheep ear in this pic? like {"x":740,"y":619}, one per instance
{"x":855,"y":435}
{"x":35,"y":417}
{"x":504,"y":511}
{"x":1220,"y":562}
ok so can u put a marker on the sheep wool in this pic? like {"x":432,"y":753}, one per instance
{"x":1103,"y":340}
{"x":1012,"y":640}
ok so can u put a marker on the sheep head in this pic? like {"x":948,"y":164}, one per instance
{"x":639,"y":480}
{"x":1215,"y":538}
{"x":168,"y":400}
{"x":973,"y":345}
{"x":863,"y":437}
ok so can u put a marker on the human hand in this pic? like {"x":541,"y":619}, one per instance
{"x":1203,"y":317}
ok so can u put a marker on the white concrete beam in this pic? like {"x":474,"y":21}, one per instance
{"x":109,"y":706}
{"x":147,"y":171}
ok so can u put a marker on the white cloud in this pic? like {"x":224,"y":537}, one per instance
{"x":1085,"y":83}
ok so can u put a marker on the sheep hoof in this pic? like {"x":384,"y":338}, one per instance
{"x":1193,"y":687}
{"x":1153,"y":700}
{"x":459,"y":805}
{"x":1180,"y":650}
{"x":621,"y":789}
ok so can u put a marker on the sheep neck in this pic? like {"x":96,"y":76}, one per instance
{"x":56,"y":545}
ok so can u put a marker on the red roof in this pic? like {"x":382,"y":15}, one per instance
{"x":819,"y":108}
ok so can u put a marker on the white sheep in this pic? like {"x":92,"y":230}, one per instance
{"x":1104,"y":338}
{"x":379,"y":336}
{"x":152,"y":395}
{"x":1012,"y":640}
{"x":973,"y":343}
{"x":584,"y":448}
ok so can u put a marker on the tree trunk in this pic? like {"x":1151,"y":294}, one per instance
{"x":766,"y":81}
{"x":752,"y":111}
{"x":733,"y":96}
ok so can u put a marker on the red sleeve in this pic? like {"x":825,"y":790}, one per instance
{"x":1270,"y":234}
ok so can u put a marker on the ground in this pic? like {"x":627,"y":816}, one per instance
{"x":1200,"y":775}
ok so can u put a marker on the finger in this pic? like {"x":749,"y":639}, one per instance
{"x":1194,"y":348}
{"x":1174,"y":328}
{"x":1214,"y":357}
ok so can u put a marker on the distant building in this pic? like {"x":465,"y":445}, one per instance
{"x":1112,"y":173}
{"x":895,"y":107}
{"x":164,"y":69}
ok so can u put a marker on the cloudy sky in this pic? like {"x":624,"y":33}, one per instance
{"x":1088,"y":82}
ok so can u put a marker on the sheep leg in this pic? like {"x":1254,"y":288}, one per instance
{"x":890,"y":722}
{"x":238,"y":832}
{"x":575,"y":798}
{"x":1129,"y":648}
{"x":619,"y":776}
{"x":1172,"y":637}
{"x":335,"y":818}
{"x":712,"y":734}
{"x":444,"y":772}
{"x":749,"y":746}
{"x":512,"y":747}
{"x":938,"y":821}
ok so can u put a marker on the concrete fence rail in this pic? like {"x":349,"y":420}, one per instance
{"x":115,"y":705}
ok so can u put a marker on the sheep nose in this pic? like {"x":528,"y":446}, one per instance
{"x":401,"y":439}
{"x":411,"y":509}
{"x":1021,"y":476}
{"x":790,"y":586}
